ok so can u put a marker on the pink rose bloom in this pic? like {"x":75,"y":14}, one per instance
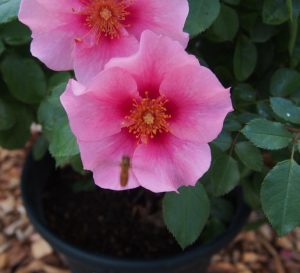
{"x":84,"y":34}
{"x":152,"y":114}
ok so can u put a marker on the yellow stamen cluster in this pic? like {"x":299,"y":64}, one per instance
{"x":105,"y":17}
{"x":148,"y":118}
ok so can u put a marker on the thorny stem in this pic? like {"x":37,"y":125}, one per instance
{"x":297,"y":136}
{"x":294,"y":130}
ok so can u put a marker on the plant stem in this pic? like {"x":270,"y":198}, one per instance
{"x":293,"y":152}
{"x":294,"y":130}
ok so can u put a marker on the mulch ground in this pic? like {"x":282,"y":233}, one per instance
{"x":22,"y":250}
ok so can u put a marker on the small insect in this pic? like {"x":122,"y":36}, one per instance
{"x":124,"y":174}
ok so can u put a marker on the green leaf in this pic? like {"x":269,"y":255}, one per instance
{"x":293,"y":8}
{"x":267,"y":134}
{"x":185,"y":214}
{"x":280,"y":196}
{"x":86,"y":185}
{"x":76,"y":163}
{"x":202,"y":14}
{"x":58,"y":78}
{"x":63,"y":143}
{"x":225,"y":175}
{"x":295,"y":55}
{"x":247,"y":117}
{"x":225,"y":26}
{"x":51,"y":111}
{"x":252,"y":4}
{"x":248,"y":20}
{"x":61,"y":162}
{"x":296,"y":97}
{"x":275,"y":12}
{"x":299,"y":146}
{"x":251,"y":192}
{"x":264,"y":110}
{"x":25,"y":79}
{"x":293,"y":34}
{"x":261,"y":32}
{"x":245,"y":58}
{"x":249,"y":155}
{"x":223,"y":141}
{"x":290,"y":8}
{"x":222,"y":209}
{"x":213,"y":229}
{"x":232,"y":2}
{"x":286,"y":109}
{"x":284,"y":82}
{"x":40,"y":148}
{"x":231,"y":123}
{"x":2,"y":47}
{"x":8,"y":10}
{"x":51,"y":115}
{"x":265,"y":62}
{"x":17,"y":136}
{"x":7,"y":115}
{"x":15,"y":33}
{"x":244,"y":92}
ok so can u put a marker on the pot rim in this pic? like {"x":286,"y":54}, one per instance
{"x":76,"y":253}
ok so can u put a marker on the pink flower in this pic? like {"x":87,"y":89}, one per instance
{"x":85,"y":34}
{"x":153,"y":112}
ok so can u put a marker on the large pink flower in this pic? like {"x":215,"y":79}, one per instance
{"x":158,"y":109}
{"x":85,"y":34}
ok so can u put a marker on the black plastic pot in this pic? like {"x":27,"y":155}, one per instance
{"x":34,"y":178}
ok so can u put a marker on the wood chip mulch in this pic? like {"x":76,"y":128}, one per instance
{"x":22,"y":250}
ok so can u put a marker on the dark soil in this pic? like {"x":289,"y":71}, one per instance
{"x":127,"y":224}
{"x":123,"y":224}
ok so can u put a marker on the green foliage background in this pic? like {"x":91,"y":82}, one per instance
{"x":252,"y":46}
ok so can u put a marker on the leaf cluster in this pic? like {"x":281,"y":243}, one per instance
{"x":29,"y":93}
{"x":253,"y":46}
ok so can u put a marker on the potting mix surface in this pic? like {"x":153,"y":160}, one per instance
{"x":119,"y":223}
{"x":22,"y":250}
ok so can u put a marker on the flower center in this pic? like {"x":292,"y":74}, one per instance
{"x":105,"y":17}
{"x":148,"y":117}
{"x":105,"y":14}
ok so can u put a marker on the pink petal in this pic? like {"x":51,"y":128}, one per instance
{"x":53,"y":31}
{"x":66,"y":6}
{"x":56,"y":55}
{"x":157,"y":56}
{"x":99,"y":110}
{"x":198,"y":103}
{"x":43,"y":16}
{"x":165,"y":17}
{"x":104,"y":157}
{"x":89,"y":60}
{"x":31,"y":12}
{"x":168,"y":162}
